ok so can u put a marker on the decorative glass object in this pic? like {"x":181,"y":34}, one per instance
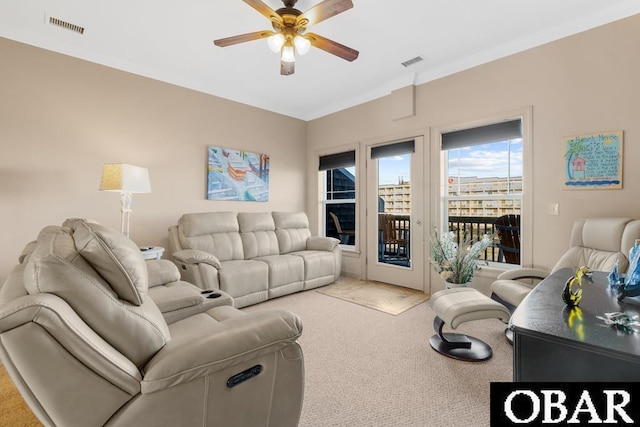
{"x":631,"y":287}
{"x":621,"y":321}
{"x":572,"y":292}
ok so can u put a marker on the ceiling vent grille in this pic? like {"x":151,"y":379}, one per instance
{"x":64,"y":24}
{"x":412,"y":61}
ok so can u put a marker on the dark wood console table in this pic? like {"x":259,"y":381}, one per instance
{"x":554,"y":343}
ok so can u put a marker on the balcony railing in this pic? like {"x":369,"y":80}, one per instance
{"x":395,"y":235}
{"x":474,"y":227}
{"x":394,"y":239}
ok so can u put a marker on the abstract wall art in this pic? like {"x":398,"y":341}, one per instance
{"x":237,"y":175}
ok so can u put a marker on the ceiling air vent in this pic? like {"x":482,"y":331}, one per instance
{"x":64,"y":24}
{"x":412,"y":61}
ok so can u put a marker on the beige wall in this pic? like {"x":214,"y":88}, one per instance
{"x":582,"y":84}
{"x":62,"y":118}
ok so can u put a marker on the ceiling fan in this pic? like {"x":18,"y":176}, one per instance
{"x":289,"y":35}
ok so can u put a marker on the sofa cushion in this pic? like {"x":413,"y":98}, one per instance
{"x":511,"y":291}
{"x":115,"y":257}
{"x":604,"y":234}
{"x":317,"y":264}
{"x":197,"y":224}
{"x":161,"y":272}
{"x":214,"y":232}
{"x":240,"y":278}
{"x":255,"y":221}
{"x":284,"y":270}
{"x":595,"y":259}
{"x":292,"y":230}
{"x":175,"y":296}
{"x":257,"y":231}
{"x":290,"y":220}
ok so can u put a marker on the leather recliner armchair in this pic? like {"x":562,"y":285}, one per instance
{"x":595,"y":242}
{"x":87,"y":346}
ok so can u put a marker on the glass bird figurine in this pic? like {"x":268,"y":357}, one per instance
{"x":572,"y":292}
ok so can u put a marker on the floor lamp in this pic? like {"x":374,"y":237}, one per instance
{"x":127,"y":180}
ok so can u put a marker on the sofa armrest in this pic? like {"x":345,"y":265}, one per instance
{"x":319,"y":243}
{"x":523,"y":273}
{"x":194,"y":256}
{"x":161,"y":272}
{"x":217,"y":345}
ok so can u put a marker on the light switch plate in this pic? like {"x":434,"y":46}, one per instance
{"x":554,"y":209}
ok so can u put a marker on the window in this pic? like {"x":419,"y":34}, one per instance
{"x":483,"y":169}
{"x":338,"y":173}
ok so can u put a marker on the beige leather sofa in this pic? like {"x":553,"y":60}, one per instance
{"x":86,"y":345}
{"x":253,"y":256}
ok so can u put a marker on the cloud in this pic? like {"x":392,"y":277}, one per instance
{"x":392,"y":169}
{"x":482,"y":162}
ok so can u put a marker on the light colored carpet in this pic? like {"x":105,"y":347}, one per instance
{"x":366,"y":368}
{"x":379,"y":296}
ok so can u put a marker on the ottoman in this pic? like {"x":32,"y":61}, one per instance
{"x":456,"y":306}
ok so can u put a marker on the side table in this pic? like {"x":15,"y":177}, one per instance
{"x":151,"y":252}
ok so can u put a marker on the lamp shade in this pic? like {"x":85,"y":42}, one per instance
{"x":125,"y":178}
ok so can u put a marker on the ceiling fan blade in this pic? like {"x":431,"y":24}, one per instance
{"x":265,"y":10}
{"x":243,"y":38}
{"x":325,"y":10}
{"x":332,"y":47}
{"x":287,"y":68}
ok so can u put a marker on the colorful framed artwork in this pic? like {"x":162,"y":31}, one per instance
{"x":237,"y":175}
{"x":593,"y":161}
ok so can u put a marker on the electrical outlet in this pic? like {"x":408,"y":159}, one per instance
{"x":554,"y":209}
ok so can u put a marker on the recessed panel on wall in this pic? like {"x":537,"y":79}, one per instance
{"x":237,"y":175}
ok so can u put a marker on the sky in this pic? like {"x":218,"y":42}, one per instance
{"x":486,"y":160}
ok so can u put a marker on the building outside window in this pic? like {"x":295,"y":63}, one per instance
{"x":483,"y":169}
{"x":338,"y":173}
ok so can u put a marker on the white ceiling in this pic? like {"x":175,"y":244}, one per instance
{"x":172,"y":41}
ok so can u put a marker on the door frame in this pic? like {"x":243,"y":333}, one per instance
{"x":416,"y":276}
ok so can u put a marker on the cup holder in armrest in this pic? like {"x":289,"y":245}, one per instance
{"x":209,"y":293}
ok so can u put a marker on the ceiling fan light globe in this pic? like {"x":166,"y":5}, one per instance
{"x":302,"y":44}
{"x":288,"y":54}
{"x":275,"y":42}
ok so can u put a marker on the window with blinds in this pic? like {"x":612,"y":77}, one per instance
{"x":338,"y":173}
{"x":483,"y":169}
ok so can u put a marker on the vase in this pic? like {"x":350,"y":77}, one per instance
{"x":449,"y":285}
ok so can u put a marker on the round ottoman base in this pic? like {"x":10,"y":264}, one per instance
{"x":478,"y":351}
